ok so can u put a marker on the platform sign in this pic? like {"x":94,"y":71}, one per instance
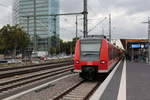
{"x":136,"y":46}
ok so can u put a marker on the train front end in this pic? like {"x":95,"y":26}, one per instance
{"x":87,"y":58}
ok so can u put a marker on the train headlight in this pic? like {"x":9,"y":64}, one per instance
{"x":103,"y":62}
{"x":77,"y":62}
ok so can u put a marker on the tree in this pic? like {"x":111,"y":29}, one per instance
{"x":2,"y":46}
{"x":13,"y":38}
{"x":59,"y":46}
{"x":56,"y":44}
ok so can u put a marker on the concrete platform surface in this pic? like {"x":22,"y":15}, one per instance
{"x":138,"y":81}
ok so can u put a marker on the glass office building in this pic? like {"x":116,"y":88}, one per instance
{"x":46,"y":26}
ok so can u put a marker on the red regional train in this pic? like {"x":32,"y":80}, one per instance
{"x":94,"y":55}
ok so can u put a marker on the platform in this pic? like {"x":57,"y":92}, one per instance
{"x":138,"y":81}
{"x":131,"y":81}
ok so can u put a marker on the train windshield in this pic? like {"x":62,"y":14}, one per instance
{"x":90,"y":50}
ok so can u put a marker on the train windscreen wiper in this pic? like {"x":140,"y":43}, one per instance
{"x":85,"y":54}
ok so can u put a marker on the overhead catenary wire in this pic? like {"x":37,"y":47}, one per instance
{"x":100,"y":5}
{"x":70,"y":23}
{"x":97,"y":25}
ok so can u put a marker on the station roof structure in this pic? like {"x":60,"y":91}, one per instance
{"x":126,"y":41}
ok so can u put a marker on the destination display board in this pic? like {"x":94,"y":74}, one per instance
{"x":136,"y":46}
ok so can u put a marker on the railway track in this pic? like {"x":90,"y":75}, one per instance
{"x":19,"y":78}
{"x":12,"y":71}
{"x":81,"y":91}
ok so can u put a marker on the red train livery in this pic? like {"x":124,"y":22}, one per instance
{"x":95,"y":55}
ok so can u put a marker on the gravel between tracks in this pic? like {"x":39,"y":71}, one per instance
{"x":53,"y":90}
{"x":29,"y":74}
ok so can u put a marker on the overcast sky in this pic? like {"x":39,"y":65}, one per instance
{"x":127,"y":16}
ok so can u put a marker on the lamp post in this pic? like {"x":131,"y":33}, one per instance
{"x":85,"y":16}
{"x":148,"y":22}
{"x":35,"y":35}
{"x":76,"y":26}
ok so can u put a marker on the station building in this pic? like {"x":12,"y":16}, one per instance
{"x":46,"y":26}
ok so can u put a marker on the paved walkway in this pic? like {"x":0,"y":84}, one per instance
{"x":111,"y":92}
{"x":138,"y":81}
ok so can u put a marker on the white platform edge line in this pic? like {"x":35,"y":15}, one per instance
{"x":98,"y":93}
{"x":36,"y":88}
{"x":122,"y":88}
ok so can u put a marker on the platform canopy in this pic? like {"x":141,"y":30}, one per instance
{"x":126,"y":41}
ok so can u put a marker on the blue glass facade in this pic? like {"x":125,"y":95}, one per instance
{"x":46,"y":26}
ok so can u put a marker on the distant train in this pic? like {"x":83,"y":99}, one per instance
{"x":95,"y":55}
